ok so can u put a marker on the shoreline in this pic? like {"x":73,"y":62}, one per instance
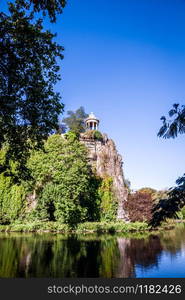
{"x":88,"y":227}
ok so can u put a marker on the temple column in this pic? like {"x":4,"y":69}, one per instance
{"x":92,"y":122}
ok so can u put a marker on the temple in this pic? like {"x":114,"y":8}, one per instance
{"x":92,"y":122}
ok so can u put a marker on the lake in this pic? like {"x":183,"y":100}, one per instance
{"x":91,"y":255}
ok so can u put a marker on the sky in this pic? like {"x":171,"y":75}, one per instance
{"x":124,"y":60}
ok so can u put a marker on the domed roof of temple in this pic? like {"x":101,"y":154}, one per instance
{"x":92,"y":117}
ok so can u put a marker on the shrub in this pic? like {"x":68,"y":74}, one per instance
{"x":98,"y":227}
{"x":93,"y":134}
{"x":98,"y":136}
{"x":12,"y":200}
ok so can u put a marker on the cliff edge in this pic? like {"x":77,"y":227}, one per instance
{"x":106,"y":161}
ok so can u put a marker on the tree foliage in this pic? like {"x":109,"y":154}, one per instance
{"x":63,"y":181}
{"x":175,"y":125}
{"x":12,"y":196}
{"x":52,"y":7}
{"x":62,"y":187}
{"x":75,"y":120}
{"x":147,"y":190}
{"x":93,"y":134}
{"x":139,"y":206}
{"x":29,"y":106}
{"x":169,"y":206}
{"x":109,"y":205}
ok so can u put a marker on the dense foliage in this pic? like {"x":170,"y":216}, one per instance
{"x":93,"y":134}
{"x":12,"y":200}
{"x":139,"y":206}
{"x":108,"y":201}
{"x":61,"y":180}
{"x":29,"y":106}
{"x":168,"y":207}
{"x":12,"y":196}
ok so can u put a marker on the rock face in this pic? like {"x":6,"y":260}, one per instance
{"x":106,"y":161}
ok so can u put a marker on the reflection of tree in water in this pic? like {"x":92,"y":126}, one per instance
{"x":36,"y":256}
{"x":145,"y":252}
{"x":56,"y":255}
{"x":109,"y":255}
{"x":177,"y":235}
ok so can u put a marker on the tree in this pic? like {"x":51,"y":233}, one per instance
{"x":175,"y":200}
{"x":61,"y":188}
{"x":29,"y":106}
{"x":169,"y":207}
{"x":147,"y":190}
{"x":139,"y":206}
{"x":75,"y":120}
{"x":63,"y":181}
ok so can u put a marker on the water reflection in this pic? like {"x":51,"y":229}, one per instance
{"x":56,"y":255}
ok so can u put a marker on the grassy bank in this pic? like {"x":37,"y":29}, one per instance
{"x":98,"y":227}
{"x":88,"y":227}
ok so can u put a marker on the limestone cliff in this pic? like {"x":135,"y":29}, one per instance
{"x":106,"y":161}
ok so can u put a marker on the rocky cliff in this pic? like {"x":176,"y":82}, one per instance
{"x":106,"y":161}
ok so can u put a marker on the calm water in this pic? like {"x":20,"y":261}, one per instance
{"x":56,"y":255}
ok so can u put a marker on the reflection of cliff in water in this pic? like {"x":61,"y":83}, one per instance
{"x":145,"y":252}
{"x":125,"y":266}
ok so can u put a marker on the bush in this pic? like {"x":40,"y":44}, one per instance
{"x":12,"y":200}
{"x":93,"y":134}
{"x":98,"y":136}
{"x":98,"y":227}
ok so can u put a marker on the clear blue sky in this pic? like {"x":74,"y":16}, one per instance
{"x":125,"y":61}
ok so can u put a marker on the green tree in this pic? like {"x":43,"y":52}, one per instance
{"x":168,"y":207}
{"x":29,"y":106}
{"x":12,"y":196}
{"x":75,"y":120}
{"x":63,"y":181}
